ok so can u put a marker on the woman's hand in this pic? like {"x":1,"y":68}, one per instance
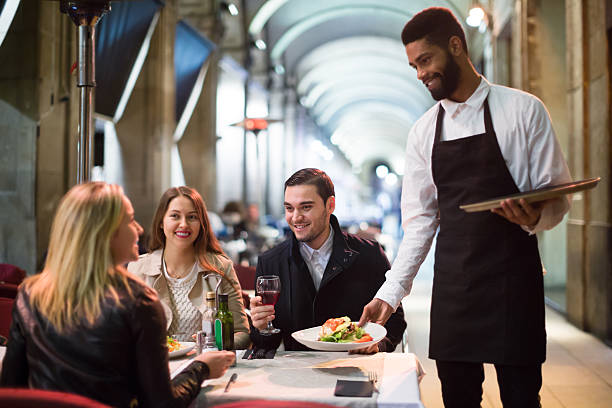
{"x":217,"y":361}
{"x":261,"y":314}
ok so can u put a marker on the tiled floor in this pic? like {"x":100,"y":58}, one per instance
{"x":577,"y":372}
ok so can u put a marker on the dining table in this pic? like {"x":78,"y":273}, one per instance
{"x":312,"y":376}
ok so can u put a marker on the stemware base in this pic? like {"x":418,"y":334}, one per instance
{"x":269,"y":331}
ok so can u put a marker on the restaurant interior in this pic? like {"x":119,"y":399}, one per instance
{"x":232,"y":97}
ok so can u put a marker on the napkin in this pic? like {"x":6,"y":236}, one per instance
{"x":258,"y":353}
{"x":349,"y":388}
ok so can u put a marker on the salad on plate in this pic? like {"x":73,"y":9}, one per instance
{"x":173,"y":344}
{"x":342,"y":330}
{"x":178,"y":348}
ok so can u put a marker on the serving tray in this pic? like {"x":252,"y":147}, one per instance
{"x":531,"y":196}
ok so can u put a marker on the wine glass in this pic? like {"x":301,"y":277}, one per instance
{"x":268,"y":287}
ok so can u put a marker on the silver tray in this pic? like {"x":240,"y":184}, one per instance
{"x":531,"y":196}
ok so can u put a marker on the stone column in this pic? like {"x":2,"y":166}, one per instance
{"x":547,"y":79}
{"x":198,"y":145}
{"x":38,"y":128}
{"x":589,"y":289}
{"x":145,"y":130}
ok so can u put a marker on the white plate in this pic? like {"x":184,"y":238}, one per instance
{"x":308,"y":337}
{"x":186,"y":347}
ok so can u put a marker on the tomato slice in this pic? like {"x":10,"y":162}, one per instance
{"x":334,"y":323}
{"x":364,"y":339}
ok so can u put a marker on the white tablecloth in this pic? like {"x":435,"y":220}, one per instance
{"x":311,"y":376}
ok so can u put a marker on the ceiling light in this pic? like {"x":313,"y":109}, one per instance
{"x":391,"y":179}
{"x":279,"y":69}
{"x":382,"y":171}
{"x":260,"y":44}
{"x":229,"y":7}
{"x":476,"y":16}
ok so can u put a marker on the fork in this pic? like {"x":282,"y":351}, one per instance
{"x":373,"y":378}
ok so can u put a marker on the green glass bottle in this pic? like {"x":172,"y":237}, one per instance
{"x":224,"y":325}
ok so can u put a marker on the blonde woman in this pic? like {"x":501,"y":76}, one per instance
{"x":183,"y":249}
{"x":84,"y":325}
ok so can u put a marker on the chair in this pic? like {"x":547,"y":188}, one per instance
{"x":274,"y":404}
{"x":6,"y":310}
{"x":11,"y":274}
{"x":8,"y":290}
{"x":246,"y":276}
{"x":246,"y":300}
{"x":32,"y":398}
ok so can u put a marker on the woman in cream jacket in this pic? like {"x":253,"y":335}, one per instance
{"x":183,"y":251}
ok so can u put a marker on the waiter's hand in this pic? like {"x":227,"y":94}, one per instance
{"x":520,"y":211}
{"x":368,"y":350}
{"x":377,"y":311}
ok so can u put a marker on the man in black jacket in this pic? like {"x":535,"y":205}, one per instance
{"x":324,"y":272}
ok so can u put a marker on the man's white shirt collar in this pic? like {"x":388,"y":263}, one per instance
{"x":475,"y":100}
{"x":316,"y":265}
{"x":324,"y":251}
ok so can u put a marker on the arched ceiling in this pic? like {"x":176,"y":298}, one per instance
{"x":350,"y":69}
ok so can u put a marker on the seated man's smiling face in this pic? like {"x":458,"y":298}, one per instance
{"x":307,"y":214}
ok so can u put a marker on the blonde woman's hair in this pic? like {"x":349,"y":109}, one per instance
{"x":79,"y":272}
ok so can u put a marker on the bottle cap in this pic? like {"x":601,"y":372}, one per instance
{"x":223,"y":297}
{"x":210,"y":295}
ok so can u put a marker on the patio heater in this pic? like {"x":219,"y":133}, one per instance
{"x":85,"y":14}
{"x":256,"y":125}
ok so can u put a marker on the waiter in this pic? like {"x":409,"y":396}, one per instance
{"x":478,"y":142}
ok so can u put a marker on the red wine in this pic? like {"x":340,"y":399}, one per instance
{"x":269,"y":297}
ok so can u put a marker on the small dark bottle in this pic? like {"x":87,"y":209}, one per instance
{"x":224,"y":325}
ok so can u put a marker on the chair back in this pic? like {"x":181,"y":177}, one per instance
{"x":8,"y":290}
{"x":11,"y":274}
{"x":6,"y":310}
{"x":32,"y":398}
{"x":246,"y":300}
{"x":246,"y":276}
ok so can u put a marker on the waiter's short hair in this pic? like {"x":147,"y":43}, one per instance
{"x":313,"y":177}
{"x":436,"y":25}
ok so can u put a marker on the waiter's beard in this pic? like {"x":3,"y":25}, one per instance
{"x":449,"y":79}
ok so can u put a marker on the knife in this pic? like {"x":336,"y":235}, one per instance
{"x":230,"y":382}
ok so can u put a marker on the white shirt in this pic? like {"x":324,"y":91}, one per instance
{"x":187,"y":319}
{"x":317,"y":259}
{"x":527,"y":142}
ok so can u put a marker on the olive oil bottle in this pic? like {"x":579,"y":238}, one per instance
{"x":224,"y":325}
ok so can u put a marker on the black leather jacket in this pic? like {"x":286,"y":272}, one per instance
{"x":355,"y":271}
{"x":120,"y":360}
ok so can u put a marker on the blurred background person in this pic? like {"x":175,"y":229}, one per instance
{"x":182,"y":250}
{"x":245,"y":237}
{"x":233,"y":216}
{"x":252,"y":221}
{"x":84,"y":325}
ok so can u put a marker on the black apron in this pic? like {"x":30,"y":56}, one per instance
{"x":488,"y":296}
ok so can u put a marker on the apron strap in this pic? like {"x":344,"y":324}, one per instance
{"x":487,"y":117}
{"x":439,"y":124}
